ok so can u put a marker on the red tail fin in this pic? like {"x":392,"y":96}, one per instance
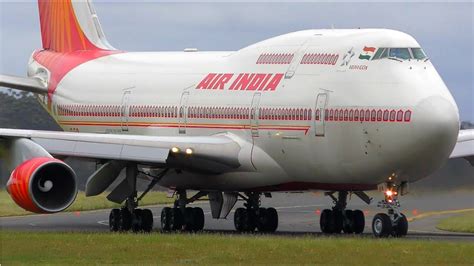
{"x":68,"y":25}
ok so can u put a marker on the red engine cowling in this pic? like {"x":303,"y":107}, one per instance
{"x":43,"y":185}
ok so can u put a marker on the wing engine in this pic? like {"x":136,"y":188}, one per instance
{"x":43,"y":185}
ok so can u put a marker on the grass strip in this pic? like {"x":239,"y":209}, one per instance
{"x":156,"y":248}
{"x":459,"y":223}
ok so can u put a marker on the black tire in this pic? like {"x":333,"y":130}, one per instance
{"x":114,"y":220}
{"x":137,"y":220}
{"x":401,"y":227}
{"x":188,"y":219}
{"x":358,"y":221}
{"x":251,"y":224}
{"x":348,"y":224}
{"x":125,"y":223}
{"x":272,"y":218}
{"x":147,"y":220}
{"x":338,"y":221}
{"x":165,"y":219}
{"x":176,"y":221}
{"x":198,"y":219}
{"x":261,"y":220}
{"x":239,"y":219}
{"x":244,"y":220}
{"x":381,"y":225}
{"x":326,"y":221}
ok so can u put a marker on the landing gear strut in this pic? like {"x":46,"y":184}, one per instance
{"x":181,"y":217}
{"x":394,"y":223}
{"x":129,"y":217}
{"x":254,"y":217}
{"x":340,"y":219}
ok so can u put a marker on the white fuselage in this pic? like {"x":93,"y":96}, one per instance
{"x":412,"y":127}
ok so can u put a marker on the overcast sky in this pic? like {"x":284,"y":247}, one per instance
{"x":444,"y":30}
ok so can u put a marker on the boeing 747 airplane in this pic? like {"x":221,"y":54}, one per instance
{"x":341,"y":111}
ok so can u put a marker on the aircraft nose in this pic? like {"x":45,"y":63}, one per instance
{"x":435,"y":127}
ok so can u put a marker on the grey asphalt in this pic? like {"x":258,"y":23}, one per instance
{"x":298,"y":215}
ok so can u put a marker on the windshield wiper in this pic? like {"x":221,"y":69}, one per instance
{"x":394,"y":58}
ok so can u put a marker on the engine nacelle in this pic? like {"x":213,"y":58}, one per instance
{"x":43,"y":185}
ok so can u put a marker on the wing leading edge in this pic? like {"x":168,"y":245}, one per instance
{"x":465,"y":146}
{"x":25,"y":84}
{"x":215,"y":154}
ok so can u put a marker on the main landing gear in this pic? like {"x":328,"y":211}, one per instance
{"x":182,"y":218}
{"x":337,"y":219}
{"x":254,"y":217}
{"x":129,"y":217}
{"x":122,"y":220}
{"x":394,"y":223}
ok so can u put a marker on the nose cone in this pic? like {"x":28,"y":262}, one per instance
{"x":435,"y":127}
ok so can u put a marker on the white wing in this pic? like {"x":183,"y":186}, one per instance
{"x":25,"y":84}
{"x":465,"y":146}
{"x":215,"y":154}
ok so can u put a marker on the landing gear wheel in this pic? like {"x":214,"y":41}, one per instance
{"x":114,"y":220}
{"x":198,"y":214}
{"x":244,"y":220}
{"x":348,"y":224}
{"x":147,"y":220}
{"x":125,"y":221}
{"x":401,"y":227}
{"x":272,"y":220}
{"x":338,"y":221}
{"x":261,"y":220}
{"x":381,"y":225}
{"x":358,"y":221}
{"x":326,"y":221}
{"x":239,"y":219}
{"x":165,"y":219}
{"x":176,"y":219}
{"x":189,"y":219}
{"x":137,"y":220}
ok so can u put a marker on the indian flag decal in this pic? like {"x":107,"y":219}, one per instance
{"x":367,"y":54}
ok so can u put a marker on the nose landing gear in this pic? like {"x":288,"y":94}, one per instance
{"x":393,"y":223}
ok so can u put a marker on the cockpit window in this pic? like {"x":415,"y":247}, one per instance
{"x":400,"y":53}
{"x":418,"y":53}
{"x":378,"y":53}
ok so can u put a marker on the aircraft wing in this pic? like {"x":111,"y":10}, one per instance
{"x":213,"y":154}
{"x":25,"y":84}
{"x":465,"y":146}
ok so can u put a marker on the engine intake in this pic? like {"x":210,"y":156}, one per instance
{"x":43,"y":185}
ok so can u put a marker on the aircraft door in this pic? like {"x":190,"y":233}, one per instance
{"x":319,"y":115}
{"x":125,"y":109}
{"x":254,"y":114}
{"x":183,"y":112}
{"x":295,"y":62}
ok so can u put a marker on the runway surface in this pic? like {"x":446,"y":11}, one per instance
{"x":298,"y":215}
